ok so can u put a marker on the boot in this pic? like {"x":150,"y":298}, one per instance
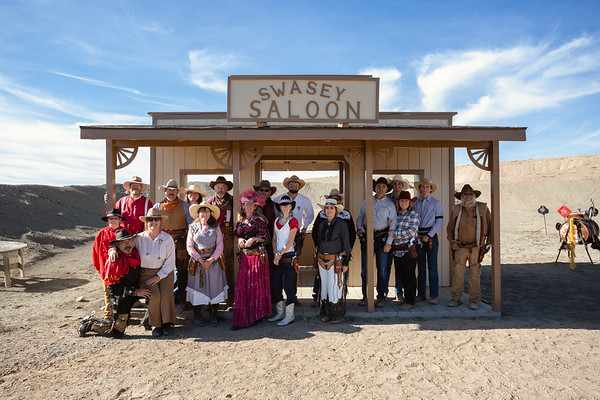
{"x":280,"y":306}
{"x":289,"y":315}
{"x":198,"y":316}
{"x":213,"y":315}
{"x":324,"y":312}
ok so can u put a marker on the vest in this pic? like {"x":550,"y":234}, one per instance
{"x":282,"y":235}
{"x":482,"y":225}
{"x":176,"y":218}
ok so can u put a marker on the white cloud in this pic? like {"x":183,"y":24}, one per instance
{"x":210,"y":70}
{"x":496,"y":84}
{"x":388,"y":86}
{"x":97,"y":82}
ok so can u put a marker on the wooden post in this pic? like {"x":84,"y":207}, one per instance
{"x":495,"y":194}
{"x":451,"y":185}
{"x":235,"y":166}
{"x":369,"y":227}
{"x":152,"y":190}
{"x":111,"y":190}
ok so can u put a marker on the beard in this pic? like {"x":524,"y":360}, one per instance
{"x":293,"y":191}
{"x":469,"y":202}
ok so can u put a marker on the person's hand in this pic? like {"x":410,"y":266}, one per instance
{"x":207,"y":263}
{"x":455,"y":245}
{"x":387,"y":248}
{"x":152,"y":281}
{"x":143,"y":293}
{"x":277,"y":258}
{"x":425,"y":238}
{"x":112,"y":254}
{"x":242,"y":243}
{"x":344,"y":268}
{"x":303,"y":231}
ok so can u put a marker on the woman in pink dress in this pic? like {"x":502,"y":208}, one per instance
{"x":252,"y":295}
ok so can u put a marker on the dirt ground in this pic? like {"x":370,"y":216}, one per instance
{"x":546,"y":344}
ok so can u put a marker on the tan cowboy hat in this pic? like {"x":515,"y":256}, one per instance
{"x":332,"y":203}
{"x":405,"y":183}
{"x":135,"y":179}
{"x":171,"y":184}
{"x":153,"y":213}
{"x":221,"y":179}
{"x":467,"y":188}
{"x":195,"y":210}
{"x":293,"y":178}
{"x":265,"y":184}
{"x":426,"y":181}
{"x":334,"y":193}
{"x":195,"y":189}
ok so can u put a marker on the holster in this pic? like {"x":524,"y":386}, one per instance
{"x":221,"y":260}
{"x":192,"y":266}
{"x":295,"y":263}
{"x":412,"y":250}
{"x":338,"y":271}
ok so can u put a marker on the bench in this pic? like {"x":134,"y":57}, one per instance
{"x":5,"y":249}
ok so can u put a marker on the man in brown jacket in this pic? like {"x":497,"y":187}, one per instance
{"x":468,"y":229}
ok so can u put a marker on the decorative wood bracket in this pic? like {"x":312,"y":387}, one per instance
{"x":480,"y":158}
{"x":249,"y":157}
{"x":355,"y":156}
{"x":124,"y":156}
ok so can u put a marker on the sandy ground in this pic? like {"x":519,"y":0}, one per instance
{"x":546,"y":345}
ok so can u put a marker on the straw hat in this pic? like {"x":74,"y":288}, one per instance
{"x":426,"y":181}
{"x":399,"y":178}
{"x":332,"y":203}
{"x":467,"y":188}
{"x":293,"y":178}
{"x":135,"y":179}
{"x":221,"y":179}
{"x":153,"y":213}
{"x":195,"y":189}
{"x":120,"y":236}
{"x":265,"y":184}
{"x":195,"y":210}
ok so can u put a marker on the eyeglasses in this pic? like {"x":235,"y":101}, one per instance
{"x":150,"y":219}
{"x":265,"y":190}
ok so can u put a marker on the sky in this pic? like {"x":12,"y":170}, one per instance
{"x":63,"y":64}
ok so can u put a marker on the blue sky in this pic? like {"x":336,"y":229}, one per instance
{"x":500,"y":63}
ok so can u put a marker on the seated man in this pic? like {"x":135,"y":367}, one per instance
{"x":122,"y":279}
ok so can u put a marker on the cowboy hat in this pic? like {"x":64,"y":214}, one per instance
{"x":120,"y":236}
{"x":284,"y":200}
{"x":466,"y":188}
{"x":383,"y":180}
{"x":332,"y":203}
{"x":195,"y":189}
{"x":265,"y":184}
{"x":154,"y":213}
{"x":115,"y":212}
{"x":195,"y":210}
{"x":426,"y":181}
{"x":221,"y":179}
{"x":135,"y":179}
{"x":171,"y":184}
{"x":334,"y":193}
{"x":294,"y":178}
{"x":399,"y":178}
{"x":404,"y":195}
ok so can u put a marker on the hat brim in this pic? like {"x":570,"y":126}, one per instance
{"x":195,"y":210}
{"x":300,"y":182}
{"x":126,"y":185}
{"x":405,"y":183}
{"x":434,"y":186}
{"x":339,"y":208}
{"x":114,"y":242}
{"x":186,"y":191}
{"x":458,"y":195}
{"x":162,"y":217}
{"x":106,"y":217}
{"x":278,"y":206}
{"x":390,"y":186}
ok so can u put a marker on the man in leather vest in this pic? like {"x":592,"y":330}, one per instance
{"x":468,"y":230}
{"x":178,"y":212}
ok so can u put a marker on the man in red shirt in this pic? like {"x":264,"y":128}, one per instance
{"x":134,"y":205}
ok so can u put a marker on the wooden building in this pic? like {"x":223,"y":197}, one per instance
{"x":415,"y":143}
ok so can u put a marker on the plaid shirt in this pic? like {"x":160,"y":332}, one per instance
{"x":404,"y":229}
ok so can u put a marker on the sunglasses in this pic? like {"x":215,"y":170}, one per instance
{"x":265,"y":190}
{"x":248,"y":203}
{"x":150,"y":219}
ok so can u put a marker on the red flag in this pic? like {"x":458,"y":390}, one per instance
{"x":564,"y":211}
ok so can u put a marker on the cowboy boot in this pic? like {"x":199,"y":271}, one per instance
{"x":213,"y":315}
{"x":198,"y":316}
{"x":280,"y":306}
{"x":324,"y":311}
{"x":289,"y":315}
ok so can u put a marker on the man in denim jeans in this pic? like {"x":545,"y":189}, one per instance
{"x":431,"y":215}
{"x":384,"y":212}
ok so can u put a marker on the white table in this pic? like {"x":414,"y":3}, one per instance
{"x":5,"y":249}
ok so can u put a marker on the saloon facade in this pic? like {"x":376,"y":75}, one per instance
{"x":314,"y":123}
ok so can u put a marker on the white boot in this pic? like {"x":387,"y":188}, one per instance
{"x":289,"y":315}
{"x":280,"y":307}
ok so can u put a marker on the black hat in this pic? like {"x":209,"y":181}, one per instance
{"x":115,"y":212}
{"x":284,"y":200}
{"x":383,"y":180}
{"x":121,"y":235}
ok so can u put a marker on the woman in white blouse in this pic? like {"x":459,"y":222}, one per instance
{"x":157,"y":251}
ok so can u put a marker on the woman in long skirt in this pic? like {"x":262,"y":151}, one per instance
{"x":252,"y":295}
{"x":207,"y":283}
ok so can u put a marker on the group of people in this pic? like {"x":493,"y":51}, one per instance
{"x":181,"y":251}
